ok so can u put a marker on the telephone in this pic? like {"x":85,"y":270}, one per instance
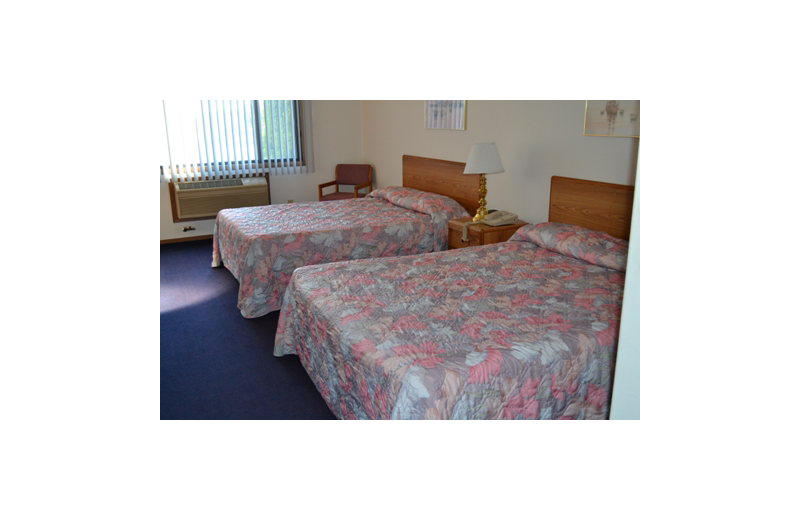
{"x":494,"y":218}
{"x":499,"y":218}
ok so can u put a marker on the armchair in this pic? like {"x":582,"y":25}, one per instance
{"x":357,"y":175}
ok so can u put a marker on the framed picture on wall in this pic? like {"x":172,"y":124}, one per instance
{"x":446,"y":115}
{"x":611,"y":119}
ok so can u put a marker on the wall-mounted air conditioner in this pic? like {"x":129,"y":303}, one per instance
{"x":205,"y":198}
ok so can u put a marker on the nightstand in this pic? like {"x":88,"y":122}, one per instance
{"x":479,"y":234}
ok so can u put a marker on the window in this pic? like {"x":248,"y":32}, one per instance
{"x":213,"y":140}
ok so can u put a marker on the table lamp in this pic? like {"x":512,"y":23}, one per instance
{"x":483,"y":159}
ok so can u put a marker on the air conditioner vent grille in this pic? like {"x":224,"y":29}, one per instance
{"x":209,"y":184}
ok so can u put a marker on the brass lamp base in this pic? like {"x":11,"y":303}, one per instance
{"x":481,"y":214}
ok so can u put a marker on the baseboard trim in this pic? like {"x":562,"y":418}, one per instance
{"x":187,"y":239}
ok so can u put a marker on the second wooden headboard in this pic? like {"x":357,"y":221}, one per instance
{"x":600,"y":206}
{"x":442,"y":177}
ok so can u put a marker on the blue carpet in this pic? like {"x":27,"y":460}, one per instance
{"x":215,"y":364}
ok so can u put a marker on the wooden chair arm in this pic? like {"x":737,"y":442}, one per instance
{"x":359,"y":186}
{"x":325,"y":185}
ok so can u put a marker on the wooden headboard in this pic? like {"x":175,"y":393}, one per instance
{"x":600,"y":206}
{"x":444,"y":178}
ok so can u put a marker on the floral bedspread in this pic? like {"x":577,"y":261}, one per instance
{"x":514,"y":330}
{"x":263,"y":245}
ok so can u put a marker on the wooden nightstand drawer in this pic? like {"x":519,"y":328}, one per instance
{"x":479,"y":234}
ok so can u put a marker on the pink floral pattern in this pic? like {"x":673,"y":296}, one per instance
{"x":594,"y":247}
{"x":505,"y":331}
{"x":262,"y":246}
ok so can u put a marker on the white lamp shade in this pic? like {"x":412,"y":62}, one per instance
{"x":483,"y":158}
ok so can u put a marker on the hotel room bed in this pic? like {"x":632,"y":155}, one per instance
{"x":522,"y":329}
{"x":262,"y":246}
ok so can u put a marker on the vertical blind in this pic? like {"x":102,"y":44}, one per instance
{"x":213,"y":140}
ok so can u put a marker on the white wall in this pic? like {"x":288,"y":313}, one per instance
{"x":536,"y":140}
{"x":625,"y":397}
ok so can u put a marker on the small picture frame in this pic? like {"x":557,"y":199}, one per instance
{"x":611,"y":119}
{"x":446,"y":114}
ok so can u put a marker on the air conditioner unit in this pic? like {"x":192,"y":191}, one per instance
{"x":205,"y":198}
